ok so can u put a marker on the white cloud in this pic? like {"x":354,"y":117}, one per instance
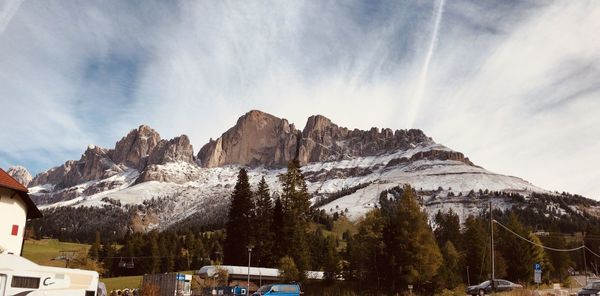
{"x":512,"y":85}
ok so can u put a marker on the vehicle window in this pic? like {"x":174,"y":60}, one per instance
{"x":505,"y":283}
{"x":287,"y":288}
{"x":265,"y":288}
{"x":596,"y":286}
{"x":25,"y":282}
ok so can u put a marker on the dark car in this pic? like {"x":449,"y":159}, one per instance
{"x":591,"y":289}
{"x":486,"y":288}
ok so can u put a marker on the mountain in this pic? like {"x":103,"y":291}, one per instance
{"x":163,"y":183}
{"x":21,"y":174}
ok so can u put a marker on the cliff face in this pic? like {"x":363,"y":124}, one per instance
{"x":257,"y":138}
{"x":322,"y":140}
{"x":262,"y":139}
{"x":141,"y":148}
{"x":21,"y":174}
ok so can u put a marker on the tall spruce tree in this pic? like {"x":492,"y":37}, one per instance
{"x":414,"y":256}
{"x":277,"y":231}
{"x":296,"y":207}
{"x":239,"y":222}
{"x":262,"y":226}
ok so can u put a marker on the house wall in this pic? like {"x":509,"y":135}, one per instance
{"x":13,"y":215}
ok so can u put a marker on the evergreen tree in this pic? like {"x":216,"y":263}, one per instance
{"x":239,"y":222}
{"x":476,"y":245}
{"x":94,"y":251}
{"x":448,"y":229}
{"x":516,"y":251}
{"x":414,"y":256}
{"x":277,"y":230}
{"x":296,"y":206}
{"x":262,"y":225}
{"x":538,"y":255}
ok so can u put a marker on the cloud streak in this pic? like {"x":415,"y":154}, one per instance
{"x":512,"y":84}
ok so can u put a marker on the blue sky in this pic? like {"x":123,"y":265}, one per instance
{"x":515,"y":85}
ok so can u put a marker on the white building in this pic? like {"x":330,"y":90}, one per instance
{"x":15,"y":209}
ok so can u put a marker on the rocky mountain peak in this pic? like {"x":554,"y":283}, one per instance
{"x":133,"y":149}
{"x":258,"y":138}
{"x":21,"y":174}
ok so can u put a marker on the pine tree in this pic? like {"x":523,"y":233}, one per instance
{"x":516,"y":251}
{"x":476,"y":245}
{"x":277,"y":231}
{"x":239,"y":222}
{"x":94,"y":251}
{"x":262,"y":225}
{"x":414,"y":256}
{"x":296,"y":206}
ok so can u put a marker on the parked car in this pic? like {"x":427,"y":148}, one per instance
{"x":486,"y":287}
{"x":592,"y":288}
{"x":279,"y":290}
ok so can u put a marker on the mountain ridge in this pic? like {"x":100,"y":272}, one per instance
{"x":142,"y":167}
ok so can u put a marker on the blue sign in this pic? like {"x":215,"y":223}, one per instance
{"x":181,"y":277}
{"x":537,"y":266}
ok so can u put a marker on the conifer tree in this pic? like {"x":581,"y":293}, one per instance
{"x":262,"y":225}
{"x":94,"y":251}
{"x":476,"y":245}
{"x":277,"y":230}
{"x":296,"y":206}
{"x":239,"y":222}
{"x":414,"y":256}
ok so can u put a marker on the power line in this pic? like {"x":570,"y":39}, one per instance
{"x":536,"y":244}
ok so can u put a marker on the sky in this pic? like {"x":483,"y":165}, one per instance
{"x":514,"y":85}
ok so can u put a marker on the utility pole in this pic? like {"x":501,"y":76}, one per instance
{"x":492,"y":246}
{"x":584,"y":261}
{"x":249,"y":260}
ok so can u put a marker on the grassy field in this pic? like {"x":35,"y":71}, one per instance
{"x":123,"y":282}
{"x":44,"y":251}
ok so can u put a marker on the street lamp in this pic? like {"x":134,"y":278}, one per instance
{"x":249,"y":247}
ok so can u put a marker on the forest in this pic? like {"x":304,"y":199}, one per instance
{"x":393,"y":246}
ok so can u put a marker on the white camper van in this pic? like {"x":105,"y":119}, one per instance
{"x":19,"y":276}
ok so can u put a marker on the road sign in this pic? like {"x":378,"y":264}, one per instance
{"x":537,"y":277}
{"x":537,"y":266}
{"x":180,"y":277}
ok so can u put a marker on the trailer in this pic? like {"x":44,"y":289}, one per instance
{"x":19,"y":276}
{"x":169,"y":284}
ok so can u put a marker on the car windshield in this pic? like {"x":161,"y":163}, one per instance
{"x":593,"y":286}
{"x":484,"y":284}
{"x":265,"y":288}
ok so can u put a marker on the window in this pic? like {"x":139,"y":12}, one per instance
{"x":90,"y":293}
{"x":25,"y":282}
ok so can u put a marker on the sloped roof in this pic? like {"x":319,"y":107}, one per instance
{"x":6,"y":181}
{"x":9,"y":182}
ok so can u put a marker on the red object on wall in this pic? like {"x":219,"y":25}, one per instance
{"x":15,"y":230}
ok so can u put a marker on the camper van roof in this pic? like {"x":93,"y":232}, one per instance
{"x":10,"y":262}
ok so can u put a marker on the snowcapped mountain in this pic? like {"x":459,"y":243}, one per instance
{"x":346,"y":170}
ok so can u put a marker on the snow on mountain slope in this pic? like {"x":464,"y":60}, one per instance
{"x":209,"y":189}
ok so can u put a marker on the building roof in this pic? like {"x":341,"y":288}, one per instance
{"x":254,"y":272}
{"x":9,"y":182}
{"x":6,"y":181}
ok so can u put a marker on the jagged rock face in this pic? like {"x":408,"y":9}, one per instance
{"x":176,"y":150}
{"x":21,"y":174}
{"x":262,"y":139}
{"x":140,"y":148}
{"x":133,"y":149}
{"x":324,"y":141}
{"x":94,"y":164}
{"x":257,"y":138}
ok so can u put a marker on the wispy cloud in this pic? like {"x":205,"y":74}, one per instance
{"x":512,"y":84}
